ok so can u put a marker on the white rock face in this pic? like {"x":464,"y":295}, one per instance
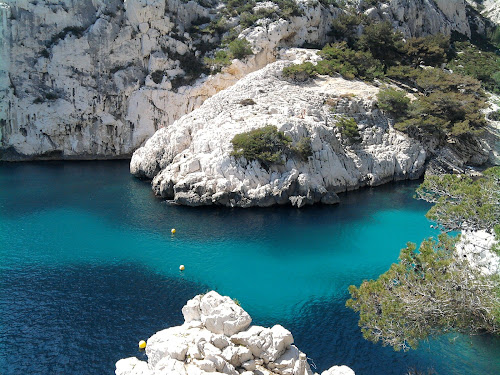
{"x":476,"y":246}
{"x":190,"y":161}
{"x":338,"y":370}
{"x":424,"y":17}
{"x":93,"y":79}
{"x":488,"y":8}
{"x":218,"y":314}
{"x":78,"y":80}
{"x":194,"y":348}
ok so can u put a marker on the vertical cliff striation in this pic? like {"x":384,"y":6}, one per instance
{"x":95,"y":79}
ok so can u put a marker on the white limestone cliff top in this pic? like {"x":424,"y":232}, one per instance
{"x":76,"y":77}
{"x":216,"y":338}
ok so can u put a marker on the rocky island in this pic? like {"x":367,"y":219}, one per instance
{"x":190,"y":162}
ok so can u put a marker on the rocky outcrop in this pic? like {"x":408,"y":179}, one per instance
{"x":216,"y":338}
{"x":191,"y":163}
{"x":476,"y":247}
{"x":95,"y":79}
{"x":488,"y":8}
{"x":459,"y":155}
{"x":423,"y":17}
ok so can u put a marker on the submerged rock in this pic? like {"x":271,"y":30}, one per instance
{"x":197,"y":347}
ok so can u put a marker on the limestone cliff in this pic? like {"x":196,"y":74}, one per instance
{"x":476,"y":247}
{"x":95,"y":79}
{"x":216,"y":338}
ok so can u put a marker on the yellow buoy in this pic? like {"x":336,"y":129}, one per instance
{"x":181,"y":267}
{"x":173,"y":231}
{"x":142,"y":344}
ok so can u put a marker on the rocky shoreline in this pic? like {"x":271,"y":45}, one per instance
{"x":217,"y":338}
{"x":190,"y":162}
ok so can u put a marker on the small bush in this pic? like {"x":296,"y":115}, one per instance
{"x":349,"y":129}
{"x":393,"y":101}
{"x":495,"y":115}
{"x":429,"y":50}
{"x":300,"y":72}
{"x":157,"y":76}
{"x":219,"y":61}
{"x":216,"y":26}
{"x":288,"y":8}
{"x":266,"y":145}
{"x":338,"y":59}
{"x":482,"y":65}
{"x":51,"y":96}
{"x":345,"y":27}
{"x":239,"y":48}
{"x":247,"y":102}
{"x":383,"y":42}
{"x":303,"y":148}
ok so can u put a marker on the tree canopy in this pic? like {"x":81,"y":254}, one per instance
{"x":428,"y":293}
{"x":432,"y":291}
{"x":463,"y":202}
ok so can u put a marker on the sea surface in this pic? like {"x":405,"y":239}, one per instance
{"x":88,"y":267}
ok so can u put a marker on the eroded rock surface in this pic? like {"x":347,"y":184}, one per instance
{"x":198,"y":347}
{"x":475,"y":246}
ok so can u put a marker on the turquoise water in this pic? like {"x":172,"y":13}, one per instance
{"x":88,"y":267}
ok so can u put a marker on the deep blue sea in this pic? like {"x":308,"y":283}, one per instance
{"x":88,"y":267}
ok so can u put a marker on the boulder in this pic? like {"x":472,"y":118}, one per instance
{"x":338,"y":370}
{"x":195,"y":349}
{"x":171,"y":342}
{"x":132,"y":366}
{"x":221,"y":315}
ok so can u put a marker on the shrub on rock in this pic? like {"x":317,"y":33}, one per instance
{"x":266,"y":145}
{"x":393,"y":101}
{"x":239,"y":48}
{"x":349,"y":129}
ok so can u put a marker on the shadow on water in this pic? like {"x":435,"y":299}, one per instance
{"x":328,"y":332}
{"x":119,"y":197}
{"x":82,"y":319}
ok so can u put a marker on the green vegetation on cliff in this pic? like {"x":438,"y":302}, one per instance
{"x":462,"y":201}
{"x":269,"y":146}
{"x":447,"y":103}
{"x":427,"y":293}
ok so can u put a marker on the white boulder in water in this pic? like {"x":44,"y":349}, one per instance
{"x":216,"y":339}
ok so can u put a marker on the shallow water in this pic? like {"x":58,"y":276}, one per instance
{"x":88,"y":267}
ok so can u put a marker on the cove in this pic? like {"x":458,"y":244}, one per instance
{"x":88,"y":267}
